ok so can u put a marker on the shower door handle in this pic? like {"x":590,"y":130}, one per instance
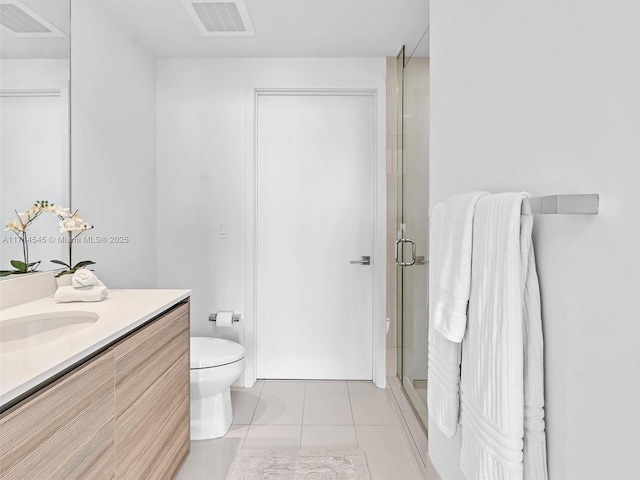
{"x":366,"y":260}
{"x":413,"y":252}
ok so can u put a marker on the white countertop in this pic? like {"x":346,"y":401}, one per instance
{"x":28,"y":362}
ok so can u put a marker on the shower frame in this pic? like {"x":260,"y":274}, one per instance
{"x":412,"y":233}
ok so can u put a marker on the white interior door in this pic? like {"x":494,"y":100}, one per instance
{"x":315,"y":214}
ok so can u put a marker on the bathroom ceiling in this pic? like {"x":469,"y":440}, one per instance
{"x":283,"y":28}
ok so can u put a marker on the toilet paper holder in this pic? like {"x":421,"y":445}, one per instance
{"x":236,"y":317}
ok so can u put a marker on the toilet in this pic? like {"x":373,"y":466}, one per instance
{"x":215,"y":364}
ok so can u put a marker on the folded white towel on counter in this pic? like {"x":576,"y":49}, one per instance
{"x":97,"y":293}
{"x":85,"y":278}
{"x":502,"y":386}
{"x":449,"y":284}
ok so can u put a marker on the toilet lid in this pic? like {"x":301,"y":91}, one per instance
{"x":213,"y":352}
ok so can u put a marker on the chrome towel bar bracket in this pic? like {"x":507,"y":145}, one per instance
{"x":582,"y":204}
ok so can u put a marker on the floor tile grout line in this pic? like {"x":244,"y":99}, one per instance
{"x":255,"y":408}
{"x":244,"y":439}
{"x":328,"y":424}
{"x":339,"y":383}
{"x":296,"y":424}
{"x":300,"y":442}
{"x":304,"y":400}
{"x":353,"y":418}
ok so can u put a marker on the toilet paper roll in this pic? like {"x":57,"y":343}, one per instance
{"x":224,"y":319}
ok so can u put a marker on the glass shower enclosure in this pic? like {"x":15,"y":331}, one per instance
{"x":412,"y":245}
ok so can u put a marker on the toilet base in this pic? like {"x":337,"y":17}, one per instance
{"x":211,"y":416}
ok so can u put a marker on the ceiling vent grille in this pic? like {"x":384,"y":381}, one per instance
{"x":21,"y":21}
{"x":220,"y":18}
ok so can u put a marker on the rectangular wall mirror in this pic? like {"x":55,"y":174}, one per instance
{"x":34,"y":123}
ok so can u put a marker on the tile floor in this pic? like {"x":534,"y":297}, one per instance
{"x":298,"y":414}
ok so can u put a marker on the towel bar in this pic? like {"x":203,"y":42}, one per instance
{"x":583,"y":204}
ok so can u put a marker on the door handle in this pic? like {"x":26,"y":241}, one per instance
{"x":366,"y":260}
{"x":413,"y":252}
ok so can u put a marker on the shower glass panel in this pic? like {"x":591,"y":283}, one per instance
{"x":413,"y":227}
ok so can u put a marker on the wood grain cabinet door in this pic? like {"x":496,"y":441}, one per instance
{"x":65,"y":431}
{"x":152,"y":398}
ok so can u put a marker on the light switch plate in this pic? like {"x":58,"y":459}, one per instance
{"x":223,"y":230}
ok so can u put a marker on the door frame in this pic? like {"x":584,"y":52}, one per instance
{"x":377,"y":90}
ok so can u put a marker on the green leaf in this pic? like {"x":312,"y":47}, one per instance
{"x":20,"y":266}
{"x":82,"y":264}
{"x":60,"y":262}
{"x":6,"y":273}
{"x":33,"y":267}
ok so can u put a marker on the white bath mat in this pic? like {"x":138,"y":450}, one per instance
{"x":334,"y":464}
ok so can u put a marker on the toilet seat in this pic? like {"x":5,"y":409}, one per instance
{"x":208,"y":352}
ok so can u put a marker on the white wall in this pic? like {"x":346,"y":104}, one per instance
{"x":113,"y":147}
{"x":201,"y":170}
{"x":545,"y":97}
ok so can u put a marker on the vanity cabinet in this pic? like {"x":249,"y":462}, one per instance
{"x":123,"y":414}
{"x":152,"y":398}
{"x":64,"y":431}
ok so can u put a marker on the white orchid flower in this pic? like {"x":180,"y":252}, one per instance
{"x":33,"y":210}
{"x":15,"y":226}
{"x":80,"y":223}
{"x":24,"y":217}
{"x":56,"y":210}
{"x":68,"y":225}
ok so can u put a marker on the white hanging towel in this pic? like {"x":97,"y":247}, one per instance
{"x":451,"y":236}
{"x":502,"y":386}
{"x":449,"y":285}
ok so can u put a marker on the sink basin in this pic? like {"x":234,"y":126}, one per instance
{"x":19,"y":332}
